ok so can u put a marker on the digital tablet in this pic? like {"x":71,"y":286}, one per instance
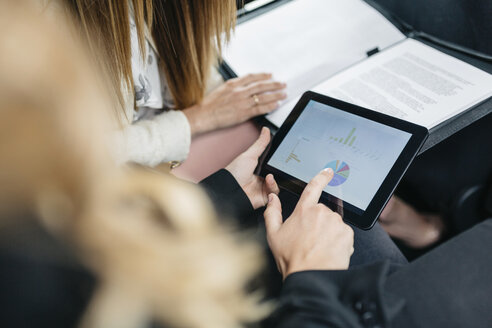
{"x":368,"y":151}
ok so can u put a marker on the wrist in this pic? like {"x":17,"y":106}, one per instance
{"x":288,"y":268}
{"x":197,"y":123}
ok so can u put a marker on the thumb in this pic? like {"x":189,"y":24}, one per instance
{"x":260,"y":144}
{"x":273,"y":214}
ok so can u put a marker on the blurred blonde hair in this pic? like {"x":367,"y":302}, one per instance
{"x":153,"y":241}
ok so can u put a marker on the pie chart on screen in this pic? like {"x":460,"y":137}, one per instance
{"x":342,"y":172}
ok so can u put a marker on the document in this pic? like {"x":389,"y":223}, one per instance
{"x":304,"y":42}
{"x":411,"y":81}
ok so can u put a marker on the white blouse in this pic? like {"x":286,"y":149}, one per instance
{"x":155,"y":133}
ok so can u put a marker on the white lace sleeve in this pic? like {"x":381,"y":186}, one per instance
{"x":164,"y":138}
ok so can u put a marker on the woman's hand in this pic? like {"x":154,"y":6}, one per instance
{"x":313,"y":237}
{"x":234,"y":102}
{"x":242,"y":168}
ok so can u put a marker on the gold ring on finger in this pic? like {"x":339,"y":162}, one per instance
{"x":256,"y":99}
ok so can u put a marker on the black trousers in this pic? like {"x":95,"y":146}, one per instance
{"x":451,"y":286}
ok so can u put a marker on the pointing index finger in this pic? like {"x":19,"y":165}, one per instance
{"x":311,"y":194}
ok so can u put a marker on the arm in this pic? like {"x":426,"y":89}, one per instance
{"x":165,"y":138}
{"x":228,"y":197}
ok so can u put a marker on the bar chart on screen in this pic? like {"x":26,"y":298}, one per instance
{"x":349,"y":143}
{"x":345,"y":141}
{"x":293,"y":155}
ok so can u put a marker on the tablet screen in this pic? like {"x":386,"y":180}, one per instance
{"x":360,"y":151}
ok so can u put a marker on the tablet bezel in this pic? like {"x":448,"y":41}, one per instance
{"x":362,"y":219}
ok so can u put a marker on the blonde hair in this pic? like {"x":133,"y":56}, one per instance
{"x":153,"y":241}
{"x":188,"y":35}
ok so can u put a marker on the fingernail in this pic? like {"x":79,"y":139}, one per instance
{"x":284,"y":84}
{"x":270,"y":198}
{"x":328,"y":170}
{"x":284,"y":95}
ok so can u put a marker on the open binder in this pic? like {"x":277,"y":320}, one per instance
{"x":395,"y":36}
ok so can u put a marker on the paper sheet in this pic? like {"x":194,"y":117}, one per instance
{"x":306,"y":41}
{"x":412,"y":81}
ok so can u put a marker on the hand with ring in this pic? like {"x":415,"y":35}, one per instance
{"x":236,"y":101}
{"x":256,"y":99}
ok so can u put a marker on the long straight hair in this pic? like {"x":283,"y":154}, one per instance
{"x":188,"y":34}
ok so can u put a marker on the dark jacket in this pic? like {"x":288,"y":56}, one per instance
{"x":448,"y":287}
{"x":42,"y":286}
